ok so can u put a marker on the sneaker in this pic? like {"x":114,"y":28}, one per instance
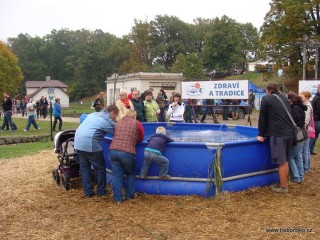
{"x":104,"y":196}
{"x":26,"y":130}
{"x":128,"y":199}
{"x":313,"y":153}
{"x":203,"y":122}
{"x":38,"y":128}
{"x":279,"y":189}
{"x":89,"y":195}
{"x":295,"y":181}
{"x":165,"y":177}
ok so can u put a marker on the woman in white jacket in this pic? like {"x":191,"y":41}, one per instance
{"x":176,"y":109}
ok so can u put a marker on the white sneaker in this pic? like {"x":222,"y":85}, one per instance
{"x":26,"y":130}
{"x":38,"y":128}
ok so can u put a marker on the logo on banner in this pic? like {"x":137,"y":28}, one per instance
{"x":194,"y":90}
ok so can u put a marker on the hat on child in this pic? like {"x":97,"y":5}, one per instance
{"x":161,"y":130}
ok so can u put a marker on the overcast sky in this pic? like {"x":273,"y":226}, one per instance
{"x":39,"y":17}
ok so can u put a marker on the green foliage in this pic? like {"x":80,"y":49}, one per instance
{"x":288,"y":25}
{"x":81,"y":59}
{"x":140,"y":52}
{"x":158,"y":68}
{"x":10,"y":72}
{"x":190,"y":65}
{"x":226,"y":49}
{"x":169,"y":37}
{"x":200,"y":30}
{"x":256,"y":78}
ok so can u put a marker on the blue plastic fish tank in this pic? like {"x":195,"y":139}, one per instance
{"x":205,"y":159}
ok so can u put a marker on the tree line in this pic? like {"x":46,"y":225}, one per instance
{"x":83,"y":59}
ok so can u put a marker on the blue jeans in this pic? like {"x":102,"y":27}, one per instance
{"x":96,"y":160}
{"x":150,"y":157}
{"x":313,"y":140}
{"x":7,"y":120}
{"x":306,"y":155}
{"x":123,"y":163}
{"x":296,"y":163}
{"x":32,"y":120}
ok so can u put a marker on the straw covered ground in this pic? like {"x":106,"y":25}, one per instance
{"x":33,"y":207}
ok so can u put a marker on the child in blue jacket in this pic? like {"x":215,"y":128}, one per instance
{"x":57,"y":115}
{"x":153,"y":153}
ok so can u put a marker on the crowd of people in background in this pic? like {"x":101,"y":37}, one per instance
{"x":20,"y":107}
{"x":30,"y":108}
{"x":158,"y":107}
{"x":279,"y":118}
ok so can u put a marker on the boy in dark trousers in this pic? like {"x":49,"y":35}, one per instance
{"x":152,"y":153}
{"x":57,"y":115}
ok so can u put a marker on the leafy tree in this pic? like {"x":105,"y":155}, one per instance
{"x":169,"y":37}
{"x":223,"y":48}
{"x":10,"y":72}
{"x":82,"y":59}
{"x":288,"y":26}
{"x":200,"y":30}
{"x":93,"y":57}
{"x":140,"y":53}
{"x":59,"y":44}
{"x":249,"y":42}
{"x":32,"y":53}
{"x":190,"y":65}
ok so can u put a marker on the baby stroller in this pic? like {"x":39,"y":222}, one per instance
{"x":68,"y":169}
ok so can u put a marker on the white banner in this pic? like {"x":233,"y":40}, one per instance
{"x":235,"y":89}
{"x":309,"y":86}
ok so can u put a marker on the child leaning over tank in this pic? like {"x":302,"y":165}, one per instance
{"x":153,"y":153}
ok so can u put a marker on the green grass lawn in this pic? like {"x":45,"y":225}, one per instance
{"x":78,"y":108}
{"x":22,"y":149}
{"x":44,"y":127}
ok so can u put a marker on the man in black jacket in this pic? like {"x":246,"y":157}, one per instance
{"x":7,"y":113}
{"x":316,"y":115}
{"x":138,"y":106}
{"x":275,"y":123}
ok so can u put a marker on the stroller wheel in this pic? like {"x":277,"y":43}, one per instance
{"x":55,"y":176}
{"x":65,"y":181}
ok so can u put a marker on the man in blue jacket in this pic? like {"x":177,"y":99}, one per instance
{"x":87,"y":144}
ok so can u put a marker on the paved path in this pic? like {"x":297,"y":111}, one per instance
{"x":65,"y":119}
{"x":253,"y":118}
{"x":244,"y":122}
